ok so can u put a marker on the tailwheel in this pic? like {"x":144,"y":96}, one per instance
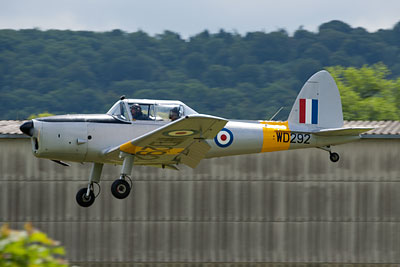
{"x":83,"y":199}
{"x":334,"y":157}
{"x":120,"y":188}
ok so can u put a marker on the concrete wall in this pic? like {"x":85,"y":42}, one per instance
{"x":281,"y":207}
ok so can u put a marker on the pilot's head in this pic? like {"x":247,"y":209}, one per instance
{"x":173,"y":114}
{"x":136,"y":110}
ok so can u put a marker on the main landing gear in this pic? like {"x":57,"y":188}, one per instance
{"x":120,"y":188}
{"x":333,"y":156}
{"x":83,"y":199}
{"x":85,"y":196}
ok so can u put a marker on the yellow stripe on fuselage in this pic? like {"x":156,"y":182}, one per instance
{"x":275,"y":134}
{"x":149,"y":150}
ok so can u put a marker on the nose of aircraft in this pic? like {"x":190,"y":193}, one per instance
{"x":27,"y":128}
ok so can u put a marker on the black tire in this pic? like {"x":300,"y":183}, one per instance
{"x":84,"y":201}
{"x":120,"y":189}
{"x":334,"y":157}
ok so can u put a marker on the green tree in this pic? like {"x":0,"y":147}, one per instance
{"x":195,"y":65}
{"x":218,"y":75}
{"x":63,"y":71}
{"x":249,"y":73}
{"x":366,"y":92}
{"x":40,"y":115}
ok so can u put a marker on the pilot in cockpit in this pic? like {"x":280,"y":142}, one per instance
{"x":137,"y":113}
{"x":174,"y":114}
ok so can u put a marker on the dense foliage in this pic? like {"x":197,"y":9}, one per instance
{"x":29,"y":248}
{"x":366,"y":93}
{"x":224,"y":74}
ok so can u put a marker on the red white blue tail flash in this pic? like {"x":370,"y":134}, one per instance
{"x":308,"y":111}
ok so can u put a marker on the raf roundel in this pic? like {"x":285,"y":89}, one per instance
{"x":224,"y":138}
{"x":181,"y":133}
{"x":178,"y":133}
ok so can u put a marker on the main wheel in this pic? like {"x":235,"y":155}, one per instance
{"x":334,"y":157}
{"x":83,"y":200}
{"x":120,"y":188}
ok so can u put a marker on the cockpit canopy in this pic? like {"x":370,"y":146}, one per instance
{"x":149,"y":110}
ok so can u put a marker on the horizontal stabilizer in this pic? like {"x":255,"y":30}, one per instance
{"x":343,"y":131}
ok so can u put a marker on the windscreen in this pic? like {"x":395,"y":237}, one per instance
{"x":142,"y":111}
{"x":119,"y":111}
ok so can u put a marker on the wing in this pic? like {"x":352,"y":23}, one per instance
{"x":343,"y":131}
{"x":181,"y":141}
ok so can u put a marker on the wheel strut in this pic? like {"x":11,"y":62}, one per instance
{"x":120,"y":188}
{"x":85,"y":196}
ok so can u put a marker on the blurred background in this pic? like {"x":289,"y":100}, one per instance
{"x":226,"y":58}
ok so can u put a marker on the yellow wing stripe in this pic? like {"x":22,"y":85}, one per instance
{"x":273,"y":134}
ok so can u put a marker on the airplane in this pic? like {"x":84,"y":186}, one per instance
{"x":162,"y":133}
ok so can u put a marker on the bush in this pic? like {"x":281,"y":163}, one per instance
{"x":29,"y":247}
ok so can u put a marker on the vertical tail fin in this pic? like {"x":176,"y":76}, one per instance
{"x":318,"y":104}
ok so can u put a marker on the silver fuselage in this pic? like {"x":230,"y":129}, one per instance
{"x":86,"y":138}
